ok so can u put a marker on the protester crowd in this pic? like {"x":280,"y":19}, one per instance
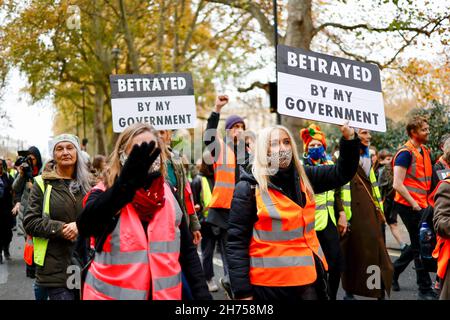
{"x":289,"y":226}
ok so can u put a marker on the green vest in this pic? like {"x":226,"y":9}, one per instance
{"x":40,"y":244}
{"x":347,"y":196}
{"x":205,"y":196}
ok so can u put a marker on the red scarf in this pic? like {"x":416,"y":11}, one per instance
{"x":148,"y":202}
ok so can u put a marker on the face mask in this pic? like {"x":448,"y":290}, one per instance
{"x":365,"y":150}
{"x":316,"y":153}
{"x":283,"y":158}
{"x":156,"y":166}
{"x":123,"y":158}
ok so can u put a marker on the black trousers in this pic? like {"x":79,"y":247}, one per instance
{"x":208,"y":244}
{"x":329,"y":241}
{"x":315,"y":291}
{"x":411,"y":219}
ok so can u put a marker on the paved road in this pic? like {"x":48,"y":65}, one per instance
{"x":14,"y":285}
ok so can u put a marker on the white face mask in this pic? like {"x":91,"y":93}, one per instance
{"x":156,"y":166}
{"x":282,"y":158}
{"x":123,"y":158}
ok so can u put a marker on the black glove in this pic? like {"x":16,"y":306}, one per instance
{"x":134,"y":174}
{"x":150,"y":178}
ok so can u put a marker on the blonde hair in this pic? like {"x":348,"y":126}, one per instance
{"x":261,"y":169}
{"x":123,"y":142}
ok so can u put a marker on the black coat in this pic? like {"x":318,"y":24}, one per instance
{"x":243,"y":209}
{"x":99,"y":212}
{"x":6,"y":204}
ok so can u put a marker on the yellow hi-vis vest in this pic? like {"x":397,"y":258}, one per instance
{"x":206,"y":196}
{"x":324,"y":208}
{"x":325,"y":205}
{"x":40,"y":244}
{"x":346,"y":195}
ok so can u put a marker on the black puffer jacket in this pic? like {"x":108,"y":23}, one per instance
{"x":243,"y":208}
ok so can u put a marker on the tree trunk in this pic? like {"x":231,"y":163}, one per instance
{"x":160,"y":37}
{"x":98,"y":76}
{"x":299,"y":34}
{"x":129,"y":39}
{"x":98,"y":120}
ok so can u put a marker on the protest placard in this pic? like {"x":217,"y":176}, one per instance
{"x":165,"y":101}
{"x":329,"y":89}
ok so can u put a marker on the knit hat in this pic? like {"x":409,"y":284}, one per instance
{"x":65,"y":137}
{"x":232,"y":120}
{"x":312,"y":133}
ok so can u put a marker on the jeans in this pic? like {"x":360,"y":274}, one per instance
{"x":40,"y":293}
{"x":60,"y":294}
{"x":411,"y":219}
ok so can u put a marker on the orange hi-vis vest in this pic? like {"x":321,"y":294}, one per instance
{"x":224,"y":178}
{"x":442,"y":250}
{"x":418,"y":175}
{"x":28,"y":250}
{"x":133,"y":263}
{"x":284,"y":241}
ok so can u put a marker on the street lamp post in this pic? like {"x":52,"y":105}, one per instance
{"x":83,"y":90}
{"x":275,"y":27}
{"x":115,"y":52}
{"x":76,"y":120}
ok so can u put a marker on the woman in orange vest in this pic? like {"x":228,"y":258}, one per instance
{"x":138,"y":228}
{"x":273,"y":250}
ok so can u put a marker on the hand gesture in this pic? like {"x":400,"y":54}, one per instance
{"x":347,"y":132}
{"x":134,"y":173}
{"x":221,"y":101}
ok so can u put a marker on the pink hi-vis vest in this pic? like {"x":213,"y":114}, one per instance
{"x":133,"y":263}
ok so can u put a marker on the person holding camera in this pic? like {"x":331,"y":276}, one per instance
{"x":55,"y":202}
{"x":29,"y":166}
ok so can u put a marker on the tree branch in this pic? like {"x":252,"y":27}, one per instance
{"x":192,"y":28}
{"x":255,"y":10}
{"x":402,"y":27}
{"x":257,"y":84}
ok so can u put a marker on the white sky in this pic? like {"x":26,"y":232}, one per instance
{"x":31,"y":123}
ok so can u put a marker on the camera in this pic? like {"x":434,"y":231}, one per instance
{"x":25,"y":161}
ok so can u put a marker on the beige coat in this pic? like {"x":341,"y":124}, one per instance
{"x":441,"y":221}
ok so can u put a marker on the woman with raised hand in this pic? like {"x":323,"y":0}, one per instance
{"x":273,"y":250}
{"x":136,"y":224}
